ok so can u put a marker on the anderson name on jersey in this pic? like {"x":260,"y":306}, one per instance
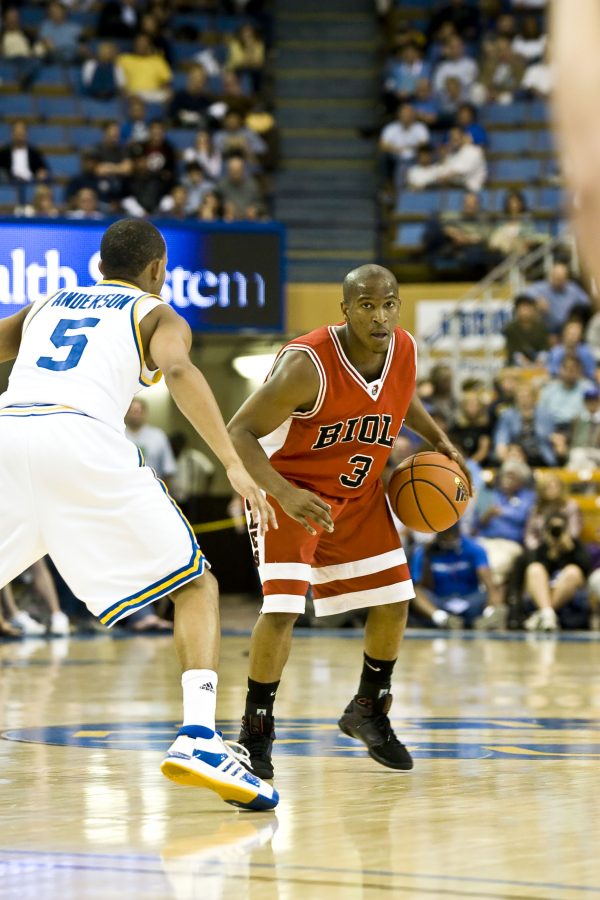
{"x":340,"y":447}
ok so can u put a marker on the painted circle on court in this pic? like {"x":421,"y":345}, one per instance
{"x":426,"y":738}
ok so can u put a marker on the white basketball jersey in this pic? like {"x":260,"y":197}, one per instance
{"x":82,"y":349}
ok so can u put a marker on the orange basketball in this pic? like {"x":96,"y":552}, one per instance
{"x":428,"y":492}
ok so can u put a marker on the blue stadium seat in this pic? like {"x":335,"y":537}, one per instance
{"x":17,"y":105}
{"x":47,"y":135}
{"x":544,"y":142}
{"x":83,"y":136}
{"x":64,"y":165}
{"x":517,"y":170}
{"x":31,"y":16}
{"x":537,"y":112}
{"x":511,"y":141}
{"x":452,"y":200}
{"x":184,"y":51}
{"x":501,"y":114}
{"x":8,"y":195}
{"x":551,"y":199}
{"x":425,"y":202}
{"x":409,"y":235}
{"x":4,"y":133}
{"x":182,"y":138}
{"x":61,"y":107}
{"x":53,"y":76}
{"x":100,"y":110}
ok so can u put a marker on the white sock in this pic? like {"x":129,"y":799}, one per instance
{"x":199,"y":697}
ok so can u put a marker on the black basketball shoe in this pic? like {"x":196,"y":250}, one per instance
{"x":257,"y":735}
{"x":367,"y":721}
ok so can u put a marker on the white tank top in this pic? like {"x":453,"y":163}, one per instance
{"x":82,"y":349}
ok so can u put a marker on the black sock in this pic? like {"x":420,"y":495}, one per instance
{"x":376,"y":677}
{"x":260,"y":698}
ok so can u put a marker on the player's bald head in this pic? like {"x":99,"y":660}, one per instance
{"x":368,"y":278}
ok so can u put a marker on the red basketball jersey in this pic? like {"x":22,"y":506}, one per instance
{"x":340,"y":447}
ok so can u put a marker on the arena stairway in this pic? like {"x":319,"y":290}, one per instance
{"x":326,"y":72}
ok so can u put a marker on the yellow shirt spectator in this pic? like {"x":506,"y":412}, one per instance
{"x":147,"y":74}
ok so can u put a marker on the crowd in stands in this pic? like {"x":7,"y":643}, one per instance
{"x":187,"y":127}
{"x":443,"y":81}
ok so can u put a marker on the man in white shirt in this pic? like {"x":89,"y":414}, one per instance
{"x":455,"y":65}
{"x":152,"y":441}
{"x":465,"y":166}
{"x":400,"y":140}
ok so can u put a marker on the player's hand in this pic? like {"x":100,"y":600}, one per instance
{"x":448,"y":449}
{"x":302,"y":505}
{"x":262,"y":511}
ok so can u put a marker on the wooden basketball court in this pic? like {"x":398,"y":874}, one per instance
{"x":503,"y":801}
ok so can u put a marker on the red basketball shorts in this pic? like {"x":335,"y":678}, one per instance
{"x":361,"y":563}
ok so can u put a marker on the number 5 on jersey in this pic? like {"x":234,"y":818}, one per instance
{"x":76,"y":342}
{"x":362,"y":466}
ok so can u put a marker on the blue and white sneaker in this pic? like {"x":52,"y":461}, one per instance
{"x":211,"y":762}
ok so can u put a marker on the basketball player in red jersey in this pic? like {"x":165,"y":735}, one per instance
{"x":316,"y":437}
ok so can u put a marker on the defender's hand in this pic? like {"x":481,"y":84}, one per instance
{"x":448,"y":449}
{"x":262,"y":511}
{"x":303,"y":505}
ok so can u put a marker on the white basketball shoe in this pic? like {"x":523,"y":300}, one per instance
{"x":216,"y":764}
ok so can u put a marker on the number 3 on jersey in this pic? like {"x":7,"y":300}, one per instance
{"x":76,"y":342}
{"x":362,"y":467}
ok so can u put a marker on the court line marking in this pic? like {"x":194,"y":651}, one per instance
{"x":381,"y":873}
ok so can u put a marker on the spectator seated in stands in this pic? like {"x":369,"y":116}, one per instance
{"x":501,"y":514}
{"x":554,"y":576}
{"x":572,"y":345}
{"x":150,"y":26}
{"x":530,"y":43}
{"x":17,"y":46}
{"x":559,"y":298}
{"x":516,"y":234}
{"x":151,"y":440}
{"x":453,"y":582}
{"x":471,"y":427}
{"x":197,"y":186}
{"x":19,"y":161}
{"x":119,"y":19}
{"x":580,"y":447}
{"x":143,"y":190}
{"x":449,"y":101}
{"x":246,"y":56}
{"x":526,"y":337}
{"x":193,"y":477}
{"x":425,"y":105}
{"x":466,"y":118}
{"x":86,"y":178}
{"x":113,"y":164}
{"x":147,"y":73}
{"x":464,"y":166}
{"x":538,"y":81}
{"x":501,"y":74}
{"x":232,"y":97}
{"x":456,"y":64}
{"x":400,"y":140}
{"x":437,"y":392}
{"x":42,"y":204}
{"x":102,"y":78}
{"x":592,"y":335}
{"x":85,"y":206}
{"x":236,"y":137}
{"x":160,"y":154}
{"x":189,"y":107}
{"x":403,"y":72}
{"x":174,"y":205}
{"x":561,"y":399}
{"x":523,"y":424}
{"x":211,"y":208}
{"x":457,"y":245}
{"x":464,"y":17}
{"x":551,"y":498}
{"x":60,"y":38}
{"x":136,"y":128}
{"x":239,"y":192}
{"x":205,"y":154}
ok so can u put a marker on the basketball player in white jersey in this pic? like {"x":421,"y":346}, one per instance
{"x":73,"y":486}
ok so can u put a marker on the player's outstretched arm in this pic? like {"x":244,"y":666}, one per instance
{"x":11,"y":330}
{"x":293,"y":386}
{"x":168,"y":341}
{"x":575,"y":44}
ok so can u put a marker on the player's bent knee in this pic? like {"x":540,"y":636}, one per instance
{"x":280,"y":621}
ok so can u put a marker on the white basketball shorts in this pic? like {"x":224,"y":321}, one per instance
{"x":73,"y":488}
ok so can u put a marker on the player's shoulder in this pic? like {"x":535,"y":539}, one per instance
{"x":315,"y":339}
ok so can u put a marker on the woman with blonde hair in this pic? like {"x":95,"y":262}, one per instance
{"x":551,"y":500}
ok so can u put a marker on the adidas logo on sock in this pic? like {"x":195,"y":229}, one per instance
{"x":207,"y":686}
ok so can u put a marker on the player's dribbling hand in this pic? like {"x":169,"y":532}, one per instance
{"x":303,"y":505}
{"x":448,"y":449}
{"x":244,"y":484}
